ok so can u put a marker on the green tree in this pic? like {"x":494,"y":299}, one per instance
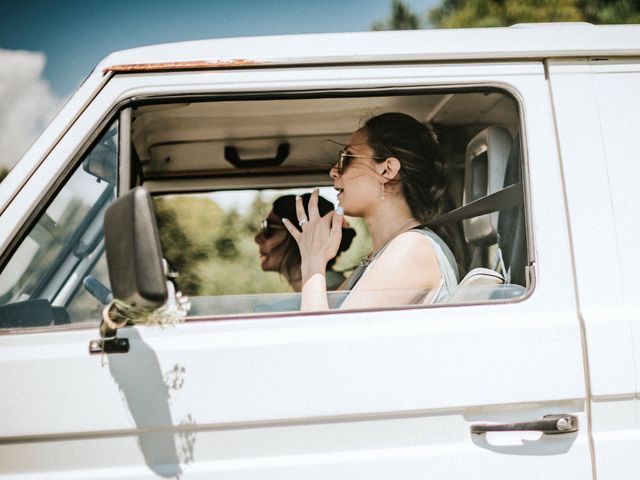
{"x":611,"y":11}
{"x":213,"y":250}
{"x":502,"y":13}
{"x":179,"y":247}
{"x":401,"y":18}
{"x":229,"y":237}
{"x":3,"y":173}
{"x":256,"y":212}
{"x":499,"y":13}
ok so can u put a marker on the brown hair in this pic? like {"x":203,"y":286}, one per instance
{"x":423,"y":175}
{"x":423,"y":172}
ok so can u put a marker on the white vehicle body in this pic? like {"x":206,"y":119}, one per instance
{"x":376,"y":394}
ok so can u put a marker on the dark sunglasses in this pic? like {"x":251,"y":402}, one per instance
{"x":267,"y":229}
{"x":345,"y":159}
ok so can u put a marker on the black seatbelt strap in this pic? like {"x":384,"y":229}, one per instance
{"x":508,"y":197}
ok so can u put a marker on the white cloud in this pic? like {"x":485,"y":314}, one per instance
{"x":27,"y":104}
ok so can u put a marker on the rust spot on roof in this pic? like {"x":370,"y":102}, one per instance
{"x":167,"y":66}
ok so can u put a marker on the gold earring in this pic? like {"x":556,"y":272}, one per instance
{"x":382,"y":197}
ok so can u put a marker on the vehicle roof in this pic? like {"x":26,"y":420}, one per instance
{"x":519,"y":42}
{"x":541,"y":40}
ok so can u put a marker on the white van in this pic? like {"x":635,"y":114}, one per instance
{"x":533,"y":376}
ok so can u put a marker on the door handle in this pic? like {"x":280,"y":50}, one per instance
{"x":550,"y":424}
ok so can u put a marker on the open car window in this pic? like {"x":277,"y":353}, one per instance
{"x":213,"y":168}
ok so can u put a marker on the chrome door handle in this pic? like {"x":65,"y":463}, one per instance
{"x":550,"y":424}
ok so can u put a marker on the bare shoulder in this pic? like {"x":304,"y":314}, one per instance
{"x":410,"y":255}
{"x":412,"y":246}
{"x":407,"y":267}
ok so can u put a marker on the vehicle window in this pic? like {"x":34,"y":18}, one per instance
{"x":42,"y":284}
{"x":217,"y":159}
{"x":215,"y":169}
{"x":213,"y":241}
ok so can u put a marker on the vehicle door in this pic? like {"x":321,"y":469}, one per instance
{"x":597,"y":105}
{"x":373,"y":394}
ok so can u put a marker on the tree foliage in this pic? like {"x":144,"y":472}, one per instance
{"x":499,"y":13}
{"x":213,"y":249}
{"x":3,"y":173}
{"x":184,"y":251}
{"x":502,"y":13}
{"x":401,"y":18}
{"x":612,"y":11}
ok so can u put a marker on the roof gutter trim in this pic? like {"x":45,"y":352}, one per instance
{"x":186,"y":65}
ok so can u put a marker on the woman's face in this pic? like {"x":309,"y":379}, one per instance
{"x":358,"y":183}
{"x":271,"y":248}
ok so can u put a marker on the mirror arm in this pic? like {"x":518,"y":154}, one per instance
{"x":109,"y":345}
{"x":108,"y":341}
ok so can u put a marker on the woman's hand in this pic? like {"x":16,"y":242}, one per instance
{"x":320,"y":237}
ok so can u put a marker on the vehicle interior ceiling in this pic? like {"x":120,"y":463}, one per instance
{"x":205,"y":146}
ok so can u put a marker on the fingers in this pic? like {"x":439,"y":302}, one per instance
{"x":313,"y":204}
{"x":340,"y":212}
{"x":302,"y":216}
{"x":335,"y":235}
{"x":295,"y":233}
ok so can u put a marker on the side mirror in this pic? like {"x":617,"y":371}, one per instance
{"x":143,"y":292}
{"x":134,"y":254}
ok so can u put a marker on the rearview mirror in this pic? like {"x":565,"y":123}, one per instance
{"x":102,"y":158}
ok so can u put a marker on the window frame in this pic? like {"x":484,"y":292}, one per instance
{"x":136,"y":99}
{"x":367,"y":93}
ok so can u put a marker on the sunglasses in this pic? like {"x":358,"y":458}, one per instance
{"x":267,"y":229}
{"x":345,"y":158}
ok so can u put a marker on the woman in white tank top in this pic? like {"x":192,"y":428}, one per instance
{"x":393,"y":175}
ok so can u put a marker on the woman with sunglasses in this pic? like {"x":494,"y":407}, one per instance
{"x":279,"y":251}
{"x":393,"y":175}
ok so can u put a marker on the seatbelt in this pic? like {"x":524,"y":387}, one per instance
{"x":508,"y":197}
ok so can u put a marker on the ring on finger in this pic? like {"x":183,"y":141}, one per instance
{"x":302,"y":222}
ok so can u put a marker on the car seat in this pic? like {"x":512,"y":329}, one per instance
{"x":491,"y":165}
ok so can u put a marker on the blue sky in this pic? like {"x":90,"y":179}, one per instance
{"x":75,"y":35}
{"x":47,"y":48}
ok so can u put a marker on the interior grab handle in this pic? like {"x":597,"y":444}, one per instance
{"x":549,"y":424}
{"x":232,"y":156}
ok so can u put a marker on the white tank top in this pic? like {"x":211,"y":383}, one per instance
{"x":446,"y":262}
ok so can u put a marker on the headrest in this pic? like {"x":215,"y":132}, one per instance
{"x":485,"y":164}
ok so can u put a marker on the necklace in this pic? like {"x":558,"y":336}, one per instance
{"x":371,"y":255}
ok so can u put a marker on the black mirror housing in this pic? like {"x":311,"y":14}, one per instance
{"x":134,"y":254}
